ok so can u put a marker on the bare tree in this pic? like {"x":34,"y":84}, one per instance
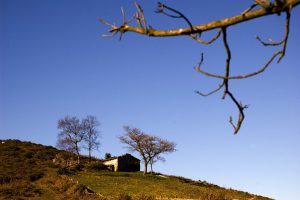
{"x":71,"y":135}
{"x":91,"y":134}
{"x":156,"y":146}
{"x":149,"y":147}
{"x":264,"y":8}
{"x":135,"y":139}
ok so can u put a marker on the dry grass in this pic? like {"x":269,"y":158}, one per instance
{"x":112,"y":184}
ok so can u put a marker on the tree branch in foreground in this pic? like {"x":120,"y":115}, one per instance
{"x":195,"y":32}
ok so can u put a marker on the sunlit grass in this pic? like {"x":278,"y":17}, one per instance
{"x":112,"y":184}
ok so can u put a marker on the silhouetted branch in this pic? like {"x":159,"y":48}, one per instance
{"x":249,"y":9}
{"x":283,"y":42}
{"x":140,"y":17}
{"x":162,"y":7}
{"x":196,"y":38}
{"x":226,"y":85}
{"x":287,"y":31}
{"x":262,"y":69}
{"x":212,"y":92}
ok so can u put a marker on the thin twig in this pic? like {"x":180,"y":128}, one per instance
{"x":226,"y":84}
{"x":262,"y":69}
{"x":212,"y":92}
{"x":140,"y":17}
{"x":196,"y":38}
{"x":161,"y":9}
{"x":283,"y":42}
{"x":287,"y":31}
{"x":270,"y":43}
{"x":249,"y":9}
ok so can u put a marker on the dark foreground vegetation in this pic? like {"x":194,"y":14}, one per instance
{"x":27,"y":171}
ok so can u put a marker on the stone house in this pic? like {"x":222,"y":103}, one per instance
{"x":124,"y":163}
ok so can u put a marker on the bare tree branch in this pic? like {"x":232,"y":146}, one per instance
{"x":262,"y":69}
{"x":195,"y":32}
{"x":212,"y":92}
{"x":226,"y":22}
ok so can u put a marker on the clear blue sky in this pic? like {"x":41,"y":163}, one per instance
{"x":53,"y":63}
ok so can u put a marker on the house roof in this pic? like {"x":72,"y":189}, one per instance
{"x":122,"y":156}
{"x":129,"y":156}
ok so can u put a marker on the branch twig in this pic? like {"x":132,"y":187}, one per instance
{"x":196,"y":38}
{"x":240,"y":106}
{"x":262,"y":69}
{"x":212,"y":92}
{"x":161,"y":9}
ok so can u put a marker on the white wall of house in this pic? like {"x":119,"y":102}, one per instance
{"x":113,"y":162}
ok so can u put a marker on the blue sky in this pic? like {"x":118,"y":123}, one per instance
{"x":53,"y":63}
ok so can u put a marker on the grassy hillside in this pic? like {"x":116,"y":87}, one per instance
{"x":157,"y":185}
{"x":28,"y":172}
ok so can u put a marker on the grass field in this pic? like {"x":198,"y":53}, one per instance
{"x":112,"y":184}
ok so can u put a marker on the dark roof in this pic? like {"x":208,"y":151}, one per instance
{"x":124,"y":155}
{"x":129,"y":156}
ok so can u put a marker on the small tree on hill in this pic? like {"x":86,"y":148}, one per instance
{"x":149,"y":147}
{"x":135,"y":139}
{"x":157,"y":146}
{"x":74,"y":132}
{"x":91,"y":134}
{"x":71,"y":135}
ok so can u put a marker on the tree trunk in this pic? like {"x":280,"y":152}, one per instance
{"x":145,"y":167}
{"x":90,"y":156}
{"x":78,"y":158}
{"x":151,"y":163}
{"x":78,"y":155}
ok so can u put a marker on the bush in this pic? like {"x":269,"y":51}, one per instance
{"x":5,"y":179}
{"x":29,"y":154}
{"x":97,"y":166}
{"x":66,"y":171}
{"x":36,"y":175}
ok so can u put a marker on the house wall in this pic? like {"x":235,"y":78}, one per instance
{"x":125,"y":163}
{"x":113,"y":162}
{"x":128,"y":164}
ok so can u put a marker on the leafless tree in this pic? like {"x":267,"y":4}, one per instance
{"x":71,"y":135}
{"x":264,"y":8}
{"x":91,"y":134}
{"x":149,"y":147}
{"x":155,"y":146}
{"x":136,"y":141}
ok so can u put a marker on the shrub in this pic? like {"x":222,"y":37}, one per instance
{"x":96,"y":166}
{"x":29,"y":154}
{"x":36,"y":175}
{"x":5,"y":179}
{"x":66,"y":171}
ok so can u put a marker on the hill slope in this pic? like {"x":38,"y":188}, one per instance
{"x":27,"y":172}
{"x":158,"y":185}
